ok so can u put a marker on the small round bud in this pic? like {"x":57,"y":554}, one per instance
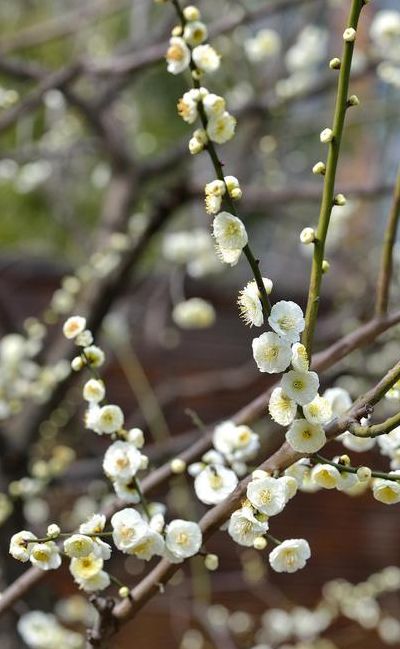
{"x":325,"y":266}
{"x":307,"y":235}
{"x":53,"y":531}
{"x":335,"y":63}
{"x":349,"y":35}
{"x":196,"y":74}
{"x":345,"y":460}
{"x":191,"y":13}
{"x":123,"y":592}
{"x":364,"y":473}
{"x":177,"y":465}
{"x":77,"y":363}
{"x":195,"y":146}
{"x":319,"y":168}
{"x":353,"y":100}
{"x":211,"y":562}
{"x":176,"y":31}
{"x":260,"y":543}
{"x":340,"y":199}
{"x":326,"y":135}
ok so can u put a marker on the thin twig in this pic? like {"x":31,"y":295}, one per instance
{"x":385,"y":272}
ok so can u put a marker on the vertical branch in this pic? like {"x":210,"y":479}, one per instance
{"x":329,"y":181}
{"x":386,"y":267}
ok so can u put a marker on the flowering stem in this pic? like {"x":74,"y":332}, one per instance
{"x":318,"y":459}
{"x":218,"y":167}
{"x":377,"y":429}
{"x":273,"y":539}
{"x":327,"y":201}
{"x":142,"y":497}
{"x":385,"y":272}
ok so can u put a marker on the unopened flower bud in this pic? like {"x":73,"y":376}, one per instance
{"x":191,"y":13}
{"x":335,"y":63}
{"x":196,"y":75}
{"x":176,"y":31}
{"x":77,"y":363}
{"x":307,"y":235}
{"x":325,"y":266}
{"x":177,"y":465}
{"x":349,"y":35}
{"x":260,"y":543}
{"x":345,"y":460}
{"x":353,"y":100}
{"x":211,"y":561}
{"x":364,"y":473}
{"x":319,"y":168}
{"x":123,"y":592}
{"x":326,"y":135}
{"x":340,"y":200}
{"x":53,"y":531}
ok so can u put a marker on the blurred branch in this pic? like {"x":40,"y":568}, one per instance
{"x":385,"y":272}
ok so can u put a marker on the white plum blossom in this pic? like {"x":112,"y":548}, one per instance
{"x":110,"y":419}
{"x":318,"y":411}
{"x":183,"y":539}
{"x":94,"y":356}
{"x":281,"y":408}
{"x":229,"y":231}
{"x":326,"y":476}
{"x":339,"y":399}
{"x":177,"y":56}
{"x":195,"y":33}
{"x":271,"y":353}
{"x":286,"y":318}
{"x":264,"y":45}
{"x":194,"y":313}
{"x":127,"y":491}
{"x":122,"y":461}
{"x":386,"y":491}
{"x":20,"y":548}
{"x":45,"y":556}
{"x":214,"y":483}
{"x":347,"y":481}
{"x":128,"y":527}
{"x":250,"y":305}
{"x":78,"y":545}
{"x":304,"y":437}
{"x":355,"y":443}
{"x":94,"y":391}
{"x":206,"y":58}
{"x":221,"y":128}
{"x":245,"y":526}
{"x":302,"y":387}
{"x":214,"y":105}
{"x":236,"y":443}
{"x":299,"y":358}
{"x":188,"y":106}
{"x":290,"y":556}
{"x":214,"y":192}
{"x":74,"y":326}
{"x":267,"y":495}
{"x":228,"y":256}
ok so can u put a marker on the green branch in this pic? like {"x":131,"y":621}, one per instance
{"x":385,"y":272}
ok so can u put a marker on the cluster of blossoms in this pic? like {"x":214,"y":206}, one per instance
{"x":41,"y":630}
{"x":385,"y":37}
{"x":216,"y":476}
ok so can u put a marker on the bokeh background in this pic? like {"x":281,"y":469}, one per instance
{"x":95,"y":177}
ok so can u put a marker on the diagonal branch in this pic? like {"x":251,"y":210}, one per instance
{"x":385,"y":272}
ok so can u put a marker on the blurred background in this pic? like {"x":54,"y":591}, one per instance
{"x":102,"y":214}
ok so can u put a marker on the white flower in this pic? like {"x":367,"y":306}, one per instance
{"x":78,"y":545}
{"x":214,"y":484}
{"x":19,"y":548}
{"x":94,"y":525}
{"x":187,"y":107}
{"x":183,"y":539}
{"x":347,"y":481}
{"x":267,"y":495}
{"x":221,"y":128}
{"x":385,"y":29}
{"x":83,"y":568}
{"x":127,"y":491}
{"x":318,"y":411}
{"x":289,"y":556}
{"x":74,"y":326}
{"x":45,"y":556}
{"x":206,"y":58}
{"x":299,"y":358}
{"x":177,"y":56}
{"x":307,"y":236}
{"x":339,"y":399}
{"x":234,"y":191}
{"x":128,"y":529}
{"x":302,"y":387}
{"x":304,"y":437}
{"x":249,"y":302}
{"x":229,"y":231}
{"x":194,"y":313}
{"x":195,"y":33}
{"x":122,"y":461}
{"x":148,"y":545}
{"x":271,"y":353}
{"x":94,"y":356}
{"x":136,"y":437}
{"x":281,"y":408}
{"x":386,"y":491}
{"x":265,"y":44}
{"x":357,"y":444}
{"x":84,"y":339}
{"x":236,"y":443}
{"x":286,"y":318}
{"x":191,"y":13}
{"x":326,"y":136}
{"x":245,"y":527}
{"x":94,"y":391}
{"x":110,"y":419}
{"x":42,"y":631}
{"x":326,"y":476}
{"x":214,"y":105}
